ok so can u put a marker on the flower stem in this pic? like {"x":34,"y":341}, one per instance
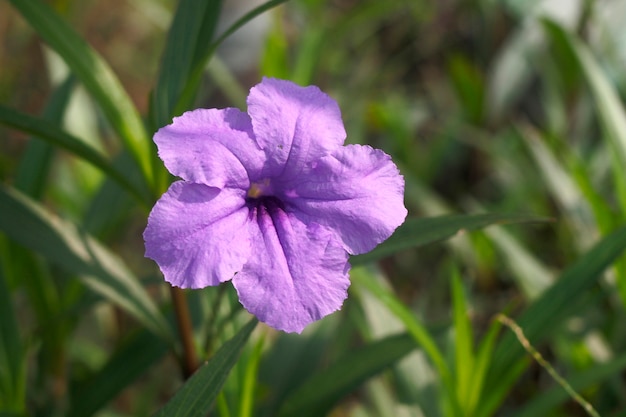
{"x":181,"y":310}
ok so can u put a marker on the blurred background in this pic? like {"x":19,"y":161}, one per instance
{"x":506,"y":106}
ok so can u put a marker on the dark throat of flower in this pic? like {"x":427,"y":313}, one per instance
{"x":261,"y":200}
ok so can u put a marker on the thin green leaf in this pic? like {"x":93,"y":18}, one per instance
{"x":196,"y":397}
{"x":202,"y":57}
{"x":249,"y":380}
{"x":125,"y":366}
{"x":546,"y":314}
{"x":191,"y":30}
{"x":12,"y":360}
{"x":610,"y":113}
{"x":544,"y":403}
{"x":610,"y":110}
{"x":483,"y":361}
{"x":317,"y":395}
{"x":419,"y":232}
{"x":32,"y":171}
{"x":50,"y":132}
{"x":415,"y":328}
{"x":60,"y":242}
{"x":96,"y":76}
{"x":464,"y":343}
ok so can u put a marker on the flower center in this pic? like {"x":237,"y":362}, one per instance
{"x":260,"y":189}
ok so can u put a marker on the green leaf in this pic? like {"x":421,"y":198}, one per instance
{"x":317,"y":395}
{"x":50,"y":132}
{"x":610,"y":113}
{"x":190,"y":33}
{"x":12,"y":360}
{"x":463,"y":343}
{"x":196,"y":397}
{"x":469,"y":86}
{"x":544,"y":403}
{"x":202,"y":56}
{"x":483,"y":361}
{"x":128,"y":363}
{"x":419,"y":232}
{"x":96,"y":76}
{"x":609,"y":107}
{"x":249,"y":383}
{"x":414,"y":326}
{"x":555,"y":305}
{"x":60,"y":242}
{"x":32,"y":171}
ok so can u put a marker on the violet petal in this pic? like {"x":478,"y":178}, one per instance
{"x":191,"y":234}
{"x":357,"y":192}
{"x":212,"y":147}
{"x":294,"y":125}
{"x":297,"y":273}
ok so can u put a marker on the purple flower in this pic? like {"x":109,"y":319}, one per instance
{"x":273,"y":201}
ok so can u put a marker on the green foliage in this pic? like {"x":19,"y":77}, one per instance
{"x":490,"y":109}
{"x":196,"y":396}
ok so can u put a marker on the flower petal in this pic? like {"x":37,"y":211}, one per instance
{"x":212,"y":147}
{"x":357,"y":191}
{"x":296,"y":274}
{"x":190,"y":234}
{"x":294,"y":125}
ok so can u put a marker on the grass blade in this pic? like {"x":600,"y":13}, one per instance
{"x":464,"y":343}
{"x":416,"y":329}
{"x":60,"y":242}
{"x":420,"y":232}
{"x":546,"y":314}
{"x":203,"y":55}
{"x":96,"y":76}
{"x":124,"y":367}
{"x":12,"y":360}
{"x":196,"y":397}
{"x":50,"y":132}
{"x":190,"y":32}
{"x":545,"y":402}
{"x":32,"y":171}
{"x":317,"y":395}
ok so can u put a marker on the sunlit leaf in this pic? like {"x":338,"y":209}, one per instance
{"x":548,"y":313}
{"x":419,"y":232}
{"x":317,"y":395}
{"x":129,"y":362}
{"x":96,"y":76}
{"x":50,"y":132}
{"x":60,"y":242}
{"x":196,"y":397}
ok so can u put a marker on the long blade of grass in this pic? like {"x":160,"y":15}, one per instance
{"x":610,"y":110}
{"x":413,"y":325}
{"x":60,"y":242}
{"x":482,"y":363}
{"x":203,"y":55}
{"x":12,"y":360}
{"x":50,"y":132}
{"x":554,"y":306}
{"x":32,"y":171}
{"x":610,"y":113}
{"x":317,"y":395}
{"x":420,"y":232}
{"x":249,"y":383}
{"x":96,"y":76}
{"x":129,"y":362}
{"x":544,"y":403}
{"x":191,"y":30}
{"x":463,"y":343}
{"x":196,"y":397}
